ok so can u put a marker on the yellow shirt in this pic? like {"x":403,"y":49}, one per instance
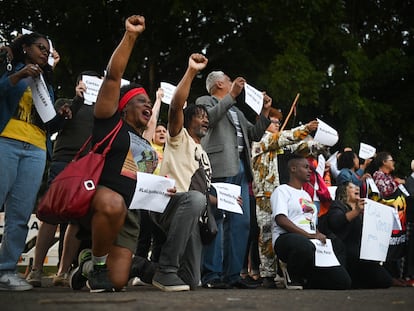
{"x":21,"y":126}
{"x":160,"y":153}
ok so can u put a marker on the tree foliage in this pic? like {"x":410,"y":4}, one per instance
{"x":351,"y":61}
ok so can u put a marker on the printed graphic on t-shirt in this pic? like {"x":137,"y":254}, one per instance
{"x":140,"y":158}
{"x":25,"y":111}
{"x":201,"y":179}
{"x":306,"y":220}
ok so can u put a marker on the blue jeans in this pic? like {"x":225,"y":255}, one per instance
{"x":223,"y":258}
{"x":21,"y":170}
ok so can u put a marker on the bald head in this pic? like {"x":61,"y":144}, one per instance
{"x":299,"y":171}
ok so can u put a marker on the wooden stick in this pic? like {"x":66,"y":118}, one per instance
{"x":290,"y":112}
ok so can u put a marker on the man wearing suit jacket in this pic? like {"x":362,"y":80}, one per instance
{"x":227,"y":144}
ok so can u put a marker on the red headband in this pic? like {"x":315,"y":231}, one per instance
{"x":128,"y":95}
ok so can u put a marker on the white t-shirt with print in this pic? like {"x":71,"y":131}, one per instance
{"x":296,"y":205}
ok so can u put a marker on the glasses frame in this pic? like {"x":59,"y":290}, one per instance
{"x":43,"y":49}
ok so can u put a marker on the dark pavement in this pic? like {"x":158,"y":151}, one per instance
{"x":149,"y":298}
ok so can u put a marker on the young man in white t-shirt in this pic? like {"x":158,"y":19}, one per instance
{"x":294,"y":215}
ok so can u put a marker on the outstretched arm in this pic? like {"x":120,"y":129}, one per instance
{"x":196,"y":63}
{"x":152,"y":123}
{"x":108,"y":96}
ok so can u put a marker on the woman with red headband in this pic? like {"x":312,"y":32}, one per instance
{"x":114,"y":228}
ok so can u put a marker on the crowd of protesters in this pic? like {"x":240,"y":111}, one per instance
{"x":287,"y":204}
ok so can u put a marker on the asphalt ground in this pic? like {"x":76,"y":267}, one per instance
{"x":150,"y":298}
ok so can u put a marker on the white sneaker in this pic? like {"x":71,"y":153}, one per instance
{"x":137,"y":282}
{"x":9,"y":280}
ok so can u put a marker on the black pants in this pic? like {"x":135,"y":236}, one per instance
{"x":299,"y":253}
{"x":368,"y":274}
{"x":151,"y":238}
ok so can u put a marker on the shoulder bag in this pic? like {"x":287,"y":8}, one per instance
{"x":70,"y":193}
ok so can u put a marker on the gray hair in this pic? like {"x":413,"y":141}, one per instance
{"x":212,"y":78}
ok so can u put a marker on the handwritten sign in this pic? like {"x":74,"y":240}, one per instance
{"x":41,"y":99}
{"x":227,"y":195}
{"x":93,"y":84}
{"x":254,"y":98}
{"x":366,"y":151}
{"x":169,"y":90}
{"x":151,"y":192}
{"x":376,"y":231}
{"x":324,"y":254}
{"x":325,"y":134}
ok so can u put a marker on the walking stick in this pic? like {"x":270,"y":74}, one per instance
{"x":290,"y":112}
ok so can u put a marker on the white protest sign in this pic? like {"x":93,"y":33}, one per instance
{"x":403,"y":190}
{"x":93,"y":84}
{"x":333,"y":160}
{"x":376,"y":231}
{"x":372,"y":185}
{"x":50,"y":59}
{"x":26,"y":31}
{"x":324,"y":254}
{"x":254,"y":98}
{"x":227,"y":195}
{"x":366,"y":151}
{"x":41,"y":99}
{"x":332,"y":191}
{"x":169,"y":90}
{"x":151,"y":192}
{"x":396,"y":224}
{"x":320,"y":169}
{"x":124,"y":82}
{"x":325,"y":134}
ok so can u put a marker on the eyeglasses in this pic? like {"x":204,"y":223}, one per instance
{"x":392,"y":160}
{"x":42,"y":48}
{"x":275,"y":122}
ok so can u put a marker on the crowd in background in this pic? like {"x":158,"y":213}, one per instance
{"x":285,"y":201}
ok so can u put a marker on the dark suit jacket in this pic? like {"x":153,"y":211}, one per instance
{"x":220,"y":143}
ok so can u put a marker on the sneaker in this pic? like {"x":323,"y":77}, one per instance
{"x":143,"y":269}
{"x":247,"y":283}
{"x":61,"y":280}
{"x":98,"y":280}
{"x":35,"y":278}
{"x":216,"y":284}
{"x":9,"y":280}
{"x":169,"y":282}
{"x":137,"y":282}
{"x":77,"y":279}
{"x":289,"y":283}
{"x":269,"y":282}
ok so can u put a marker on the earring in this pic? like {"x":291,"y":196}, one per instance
{"x":24,"y":52}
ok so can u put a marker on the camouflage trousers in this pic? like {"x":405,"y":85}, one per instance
{"x":268,"y":262}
